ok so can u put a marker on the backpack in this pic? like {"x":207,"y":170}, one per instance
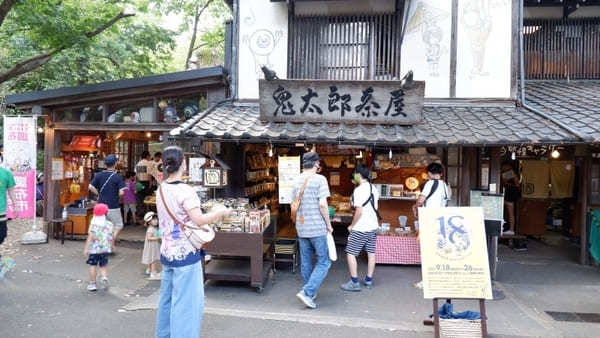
{"x":436,"y":183}
{"x":372,"y":201}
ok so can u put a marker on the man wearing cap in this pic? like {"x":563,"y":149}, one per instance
{"x":312,"y":226}
{"x":109,"y":186}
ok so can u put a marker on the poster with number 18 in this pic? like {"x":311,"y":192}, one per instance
{"x":454,"y":256}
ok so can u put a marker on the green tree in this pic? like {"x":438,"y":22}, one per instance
{"x":51,"y":43}
{"x":207,"y":43}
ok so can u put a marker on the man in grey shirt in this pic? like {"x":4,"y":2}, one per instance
{"x":312,"y":226}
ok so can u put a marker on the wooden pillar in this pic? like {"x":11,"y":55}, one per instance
{"x":52,"y":143}
{"x":215,"y":95}
{"x":468,"y":174}
{"x":584,"y":192}
{"x":495,"y":167}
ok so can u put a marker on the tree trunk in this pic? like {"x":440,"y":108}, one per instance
{"x":5,"y":7}
{"x":191,"y":49}
{"x":37,"y":61}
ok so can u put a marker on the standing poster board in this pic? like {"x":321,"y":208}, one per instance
{"x":454,"y":256}
{"x":492,"y":204}
{"x":289,"y":169}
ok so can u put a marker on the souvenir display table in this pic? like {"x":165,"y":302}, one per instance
{"x":239,"y":256}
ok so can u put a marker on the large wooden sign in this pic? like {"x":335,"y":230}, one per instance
{"x":383,"y":102}
{"x":454,"y":255}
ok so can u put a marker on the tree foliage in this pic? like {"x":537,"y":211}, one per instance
{"x":52,"y":43}
{"x":207,"y":41}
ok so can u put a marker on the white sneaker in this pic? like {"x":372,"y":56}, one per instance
{"x":105,"y":284}
{"x":92,"y":286}
{"x":508,"y":233}
{"x":155,"y":276}
{"x":147,"y":272}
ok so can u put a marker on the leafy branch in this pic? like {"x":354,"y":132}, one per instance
{"x":34,"y":62}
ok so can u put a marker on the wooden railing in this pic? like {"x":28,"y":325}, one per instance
{"x":561,"y":49}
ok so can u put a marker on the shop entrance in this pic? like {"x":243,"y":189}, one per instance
{"x":542,"y":193}
{"x":81,"y":155}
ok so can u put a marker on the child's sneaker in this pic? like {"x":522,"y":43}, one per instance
{"x":368,"y":284}
{"x":105,"y":284}
{"x":147,"y":271}
{"x":92,"y":286}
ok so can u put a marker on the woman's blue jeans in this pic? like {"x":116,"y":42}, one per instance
{"x":181,"y":302}
{"x":312,"y":278}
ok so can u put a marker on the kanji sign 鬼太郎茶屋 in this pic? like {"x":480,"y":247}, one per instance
{"x":383,"y":102}
{"x":454,"y":257}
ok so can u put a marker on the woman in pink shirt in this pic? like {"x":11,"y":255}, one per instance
{"x":182,"y":287}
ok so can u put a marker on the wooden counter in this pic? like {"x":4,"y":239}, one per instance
{"x":240,"y":256}
{"x":81,"y":218}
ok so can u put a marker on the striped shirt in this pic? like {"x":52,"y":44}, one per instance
{"x":314,"y":225}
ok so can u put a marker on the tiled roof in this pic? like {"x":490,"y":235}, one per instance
{"x":575,"y":103}
{"x":153,"y":80}
{"x":443,"y":124}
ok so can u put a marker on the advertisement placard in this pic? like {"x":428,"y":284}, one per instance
{"x":454,"y":254}
{"x":20,"y":155}
{"x":289,"y":169}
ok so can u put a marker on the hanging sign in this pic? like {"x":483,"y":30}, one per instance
{"x":454,"y":255}
{"x":384,"y":102}
{"x":20,"y":155}
{"x":289,"y":169}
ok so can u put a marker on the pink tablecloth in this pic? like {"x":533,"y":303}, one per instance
{"x":397,"y":250}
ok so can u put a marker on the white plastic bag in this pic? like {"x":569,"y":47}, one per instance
{"x":331,"y":247}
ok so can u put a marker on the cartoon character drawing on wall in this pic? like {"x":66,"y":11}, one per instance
{"x":432,"y":36}
{"x":425,"y":20}
{"x":262,"y":43}
{"x":477,"y":21}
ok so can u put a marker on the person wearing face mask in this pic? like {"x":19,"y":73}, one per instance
{"x":312,"y":226}
{"x":363,"y":229}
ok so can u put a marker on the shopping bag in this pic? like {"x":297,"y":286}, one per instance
{"x":331,"y":247}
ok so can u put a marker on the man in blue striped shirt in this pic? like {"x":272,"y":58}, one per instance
{"x":312,"y":225}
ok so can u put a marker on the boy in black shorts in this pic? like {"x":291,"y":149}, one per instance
{"x":363,"y":230}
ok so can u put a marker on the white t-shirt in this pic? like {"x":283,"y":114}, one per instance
{"x":368,"y":219}
{"x":439,"y":197}
{"x":143,"y":169}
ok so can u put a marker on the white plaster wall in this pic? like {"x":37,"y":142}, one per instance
{"x":426,"y":45}
{"x":484,"y":49}
{"x":263,"y":36}
{"x":345,"y":7}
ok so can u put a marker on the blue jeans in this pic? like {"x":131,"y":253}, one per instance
{"x":312,"y":279}
{"x":181,"y":301}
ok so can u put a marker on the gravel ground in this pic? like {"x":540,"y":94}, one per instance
{"x":16,"y":228}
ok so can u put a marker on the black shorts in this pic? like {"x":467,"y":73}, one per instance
{"x":358,"y":240}
{"x":98,"y":259}
{"x":3,"y":231}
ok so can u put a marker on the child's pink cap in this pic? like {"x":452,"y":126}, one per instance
{"x":100,"y":209}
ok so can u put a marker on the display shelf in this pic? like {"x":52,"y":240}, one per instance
{"x":240,"y":256}
{"x":404,"y":198}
